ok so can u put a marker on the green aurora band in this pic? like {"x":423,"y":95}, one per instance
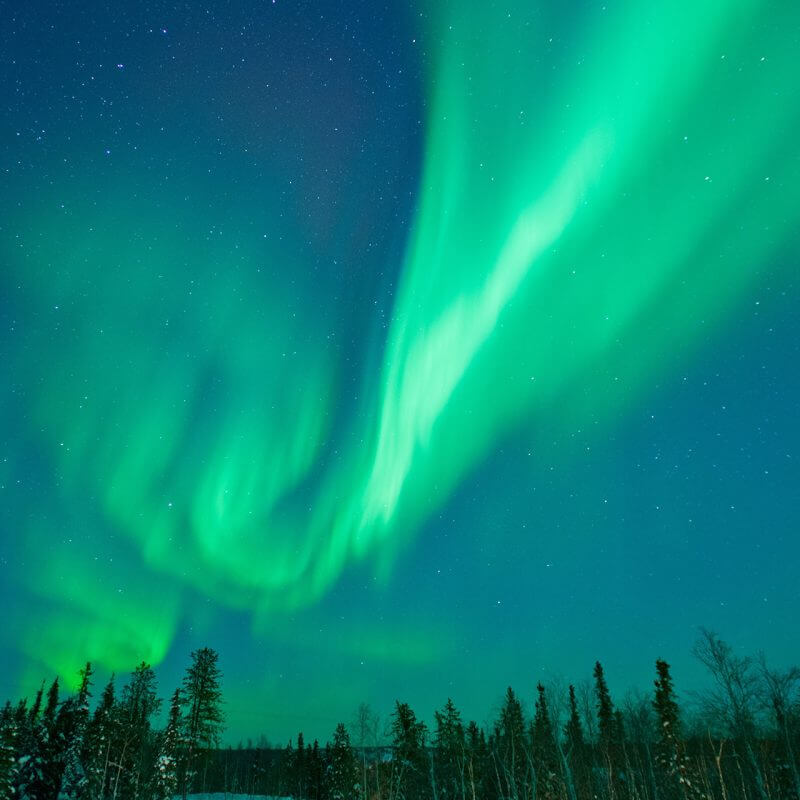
{"x":577,"y":230}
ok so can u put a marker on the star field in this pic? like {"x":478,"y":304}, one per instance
{"x":396,"y":352}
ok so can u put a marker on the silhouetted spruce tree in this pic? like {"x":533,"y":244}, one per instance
{"x":286,"y":769}
{"x":75,"y":712}
{"x":165,"y":783}
{"x":202,"y":698}
{"x":546,"y":762}
{"x":410,"y":767}
{"x":609,"y":735}
{"x":672,"y":764}
{"x":133,"y":750}
{"x":626,"y":779}
{"x":47,"y":782}
{"x":343,"y":768}
{"x":511,"y":755}
{"x":577,"y":753}
{"x":21,"y":714}
{"x":98,"y":743}
{"x":8,"y":752}
{"x":36,"y":708}
{"x":475,"y":759}
{"x":326,"y":760}
{"x":57,"y":747}
{"x":29,"y":746}
{"x":605,"y":708}
{"x":51,"y":706}
{"x":299,"y":768}
{"x":29,"y":781}
{"x":449,"y":753}
{"x":316,"y":773}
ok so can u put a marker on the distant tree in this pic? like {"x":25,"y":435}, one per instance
{"x":586,"y":703}
{"x":165,"y":783}
{"x":364,"y":734}
{"x":779,"y":693}
{"x":343,"y":768}
{"x":449,"y":753}
{"x":638,"y":744}
{"x":410,"y":768}
{"x":286,"y":769}
{"x":619,"y":727}
{"x":316,"y":773}
{"x":202,"y":699}
{"x":326,"y":760}
{"x":733,"y":700}
{"x":624,"y":774}
{"x":298,"y":773}
{"x":546,"y":764}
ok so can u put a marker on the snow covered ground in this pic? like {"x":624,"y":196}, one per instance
{"x":226,"y":796}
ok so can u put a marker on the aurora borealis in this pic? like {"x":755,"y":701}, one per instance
{"x":397,"y":353}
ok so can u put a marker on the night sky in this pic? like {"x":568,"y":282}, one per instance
{"x":397,"y":352}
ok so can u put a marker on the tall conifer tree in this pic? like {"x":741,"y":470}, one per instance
{"x":8,"y":745}
{"x":343,"y":776}
{"x":299,"y":777}
{"x":202,"y":699}
{"x":544,"y":752}
{"x":609,"y":734}
{"x":48,"y":782}
{"x":511,"y":749}
{"x":99,"y":741}
{"x":166,"y":776}
{"x":316,"y":772}
{"x":672,"y":764}
{"x":31,"y":742}
{"x":411,"y":770}
{"x":478,"y":772}
{"x":449,"y":753}
{"x":76,"y":716}
{"x":138,"y":704}
{"x":577,"y":750}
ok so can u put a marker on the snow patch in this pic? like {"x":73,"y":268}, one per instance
{"x":229,"y":796}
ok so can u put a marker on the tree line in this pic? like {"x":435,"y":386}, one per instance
{"x":57,"y":749}
{"x":739,"y":742}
